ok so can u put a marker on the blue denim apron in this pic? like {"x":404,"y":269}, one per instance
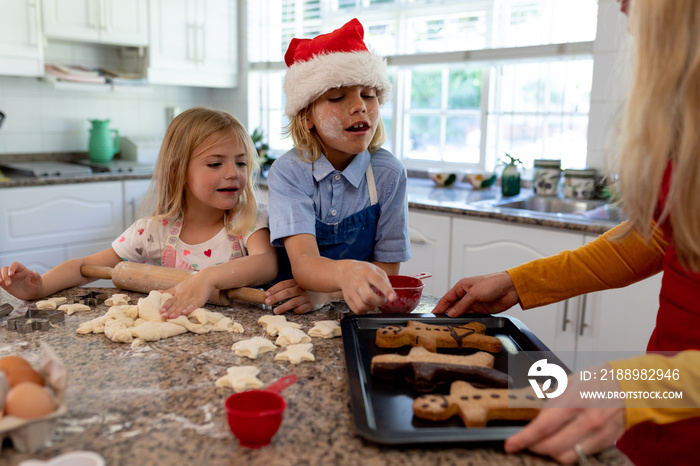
{"x":351,"y":238}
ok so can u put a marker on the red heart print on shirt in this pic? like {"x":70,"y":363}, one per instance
{"x":140,"y":231}
{"x":207,"y":253}
{"x":186,"y":252}
{"x":165,"y":221}
{"x":122,"y":239}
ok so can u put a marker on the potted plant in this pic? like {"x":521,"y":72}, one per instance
{"x":257,"y":136}
{"x":510,"y":177}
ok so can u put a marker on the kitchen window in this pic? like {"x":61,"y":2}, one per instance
{"x":472,"y":79}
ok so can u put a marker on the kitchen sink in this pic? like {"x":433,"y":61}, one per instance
{"x":575,"y":209}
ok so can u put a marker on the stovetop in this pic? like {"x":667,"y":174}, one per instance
{"x":46,"y":169}
{"x":80,"y":168}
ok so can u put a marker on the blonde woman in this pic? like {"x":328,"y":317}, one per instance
{"x":659,"y":182}
{"x":206,"y":218}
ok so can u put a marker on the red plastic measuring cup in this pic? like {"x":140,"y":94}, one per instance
{"x":409,"y":290}
{"x":254,"y":416}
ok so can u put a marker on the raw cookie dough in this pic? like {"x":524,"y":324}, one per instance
{"x":51,"y":303}
{"x":73,"y":308}
{"x":117,"y":299}
{"x":251,"y":347}
{"x":240,"y":378}
{"x":138,"y":323}
{"x":296,"y":353}
{"x":325,"y":329}
{"x":273,"y":324}
{"x":291,"y":336}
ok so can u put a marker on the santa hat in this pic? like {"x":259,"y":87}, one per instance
{"x":336,"y":59}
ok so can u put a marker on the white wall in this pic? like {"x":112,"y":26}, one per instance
{"x":608,"y":90}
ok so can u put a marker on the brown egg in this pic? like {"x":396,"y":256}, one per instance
{"x":28,"y":401}
{"x":12,"y":362}
{"x":24,"y":374}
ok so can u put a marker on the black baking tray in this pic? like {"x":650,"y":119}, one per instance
{"x":382,"y":409}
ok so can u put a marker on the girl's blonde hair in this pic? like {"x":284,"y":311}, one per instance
{"x":661,"y":121}
{"x":184,"y":135}
{"x":310,"y":144}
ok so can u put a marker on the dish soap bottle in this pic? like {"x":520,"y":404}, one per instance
{"x":510,"y":178}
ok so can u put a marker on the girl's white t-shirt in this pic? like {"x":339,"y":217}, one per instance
{"x":145,"y":240}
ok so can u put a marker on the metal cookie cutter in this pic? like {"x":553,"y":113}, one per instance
{"x":91,"y":299}
{"x":35,"y":320}
{"x":5,"y":309}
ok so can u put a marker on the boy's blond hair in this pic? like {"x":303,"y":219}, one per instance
{"x":184,"y":135}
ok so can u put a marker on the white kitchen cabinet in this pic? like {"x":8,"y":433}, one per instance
{"x":134,"y":194}
{"x":583,"y":330}
{"x":21,"y":44}
{"x":617,"y":322}
{"x":481,"y":247}
{"x":118,"y":22}
{"x":60,"y":219}
{"x":194,"y":43}
{"x":430,"y":250}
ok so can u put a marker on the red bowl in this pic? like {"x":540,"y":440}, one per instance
{"x":408,"y":293}
{"x":254,"y":416}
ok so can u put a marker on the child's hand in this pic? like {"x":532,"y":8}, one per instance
{"x":187,"y":296}
{"x":21,"y":282}
{"x":361,"y":284}
{"x":300,"y":300}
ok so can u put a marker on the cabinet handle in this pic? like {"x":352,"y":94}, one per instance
{"x":566,"y":316}
{"x":33,"y":22}
{"x":92,"y":15}
{"x":417,"y":237}
{"x":202,"y":44}
{"x":103,"y":9}
{"x":582,"y":323}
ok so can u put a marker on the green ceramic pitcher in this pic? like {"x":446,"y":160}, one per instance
{"x":103,"y":143}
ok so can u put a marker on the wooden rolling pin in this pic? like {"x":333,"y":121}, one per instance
{"x":144,"y":278}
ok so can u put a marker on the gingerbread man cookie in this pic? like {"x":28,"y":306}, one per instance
{"x":432,"y":337}
{"x":478,"y":406}
{"x":425,"y":369}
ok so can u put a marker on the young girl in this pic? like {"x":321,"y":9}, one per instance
{"x":205,"y":216}
{"x":337,"y":201}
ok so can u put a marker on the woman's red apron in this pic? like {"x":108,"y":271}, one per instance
{"x":677,"y":329}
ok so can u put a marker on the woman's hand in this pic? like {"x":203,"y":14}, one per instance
{"x":188,"y":295}
{"x":21,"y":282}
{"x":487,"y":294}
{"x":570,"y":420}
{"x":295,"y":298}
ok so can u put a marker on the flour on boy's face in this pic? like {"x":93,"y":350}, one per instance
{"x":345,"y":119}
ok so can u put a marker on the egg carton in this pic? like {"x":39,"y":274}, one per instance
{"x":29,"y":435}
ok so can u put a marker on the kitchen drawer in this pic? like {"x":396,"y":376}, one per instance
{"x":42,"y":216}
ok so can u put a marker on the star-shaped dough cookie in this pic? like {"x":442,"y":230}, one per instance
{"x":291,"y":336}
{"x":325,"y":329}
{"x":73,"y":308}
{"x":50,"y":303}
{"x":240,"y":378}
{"x":296,"y":353}
{"x":251,"y":347}
{"x":117,"y":299}
{"x":273,"y":324}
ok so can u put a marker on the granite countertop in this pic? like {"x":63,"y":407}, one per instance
{"x":157,"y":403}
